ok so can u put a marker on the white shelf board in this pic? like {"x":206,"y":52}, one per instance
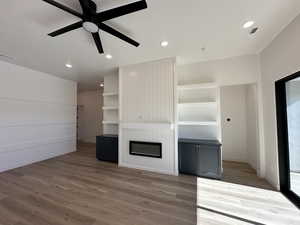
{"x":197,"y":86}
{"x":197,"y":104}
{"x":197,"y":123}
{"x":147,"y":125}
{"x":110,"y":94}
{"x":110,"y":108}
{"x":110,"y":122}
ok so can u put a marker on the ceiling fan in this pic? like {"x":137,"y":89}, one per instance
{"x":92,"y":21}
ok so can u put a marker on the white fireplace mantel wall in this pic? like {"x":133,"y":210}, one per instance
{"x":147,"y":113}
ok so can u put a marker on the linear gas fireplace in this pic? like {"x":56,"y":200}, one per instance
{"x":146,"y":149}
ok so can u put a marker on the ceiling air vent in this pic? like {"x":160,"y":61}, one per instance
{"x":254,"y":30}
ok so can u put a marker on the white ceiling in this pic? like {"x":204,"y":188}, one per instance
{"x":187,"y":25}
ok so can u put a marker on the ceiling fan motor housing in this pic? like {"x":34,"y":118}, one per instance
{"x":90,"y":27}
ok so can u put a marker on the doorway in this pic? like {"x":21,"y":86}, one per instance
{"x":239,"y":120}
{"x":288,"y":129}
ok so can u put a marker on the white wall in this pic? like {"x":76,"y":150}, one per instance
{"x":37,"y":116}
{"x":252,"y":126}
{"x":232,"y":71}
{"x":234,"y":132}
{"x":147,"y":101}
{"x":279,"y":59}
{"x":90,"y":115}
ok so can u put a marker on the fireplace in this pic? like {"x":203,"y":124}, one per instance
{"x":146,"y":149}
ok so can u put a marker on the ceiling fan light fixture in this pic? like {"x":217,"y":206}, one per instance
{"x":90,"y":27}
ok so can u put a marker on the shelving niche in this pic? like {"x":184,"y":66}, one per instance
{"x":199,"y":111}
{"x":111,"y":105}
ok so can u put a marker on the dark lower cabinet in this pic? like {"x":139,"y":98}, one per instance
{"x":200,"y":157}
{"x":107,"y":148}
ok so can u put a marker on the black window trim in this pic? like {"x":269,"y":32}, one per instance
{"x":282,"y":134}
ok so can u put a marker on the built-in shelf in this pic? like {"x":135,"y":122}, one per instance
{"x":198,"y":123}
{"x":110,"y":122}
{"x":198,"y":110}
{"x":197,"y":104}
{"x":110,"y":108}
{"x":197,"y":86}
{"x":110,"y":94}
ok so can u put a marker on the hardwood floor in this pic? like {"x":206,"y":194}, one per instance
{"x":242,"y":173}
{"x":76,"y":189}
{"x":242,"y":198}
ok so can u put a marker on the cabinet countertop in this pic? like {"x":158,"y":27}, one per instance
{"x":199,"y":141}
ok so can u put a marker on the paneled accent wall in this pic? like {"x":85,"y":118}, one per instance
{"x":147,"y":92}
{"x":147,"y":114}
{"x":37,"y":116}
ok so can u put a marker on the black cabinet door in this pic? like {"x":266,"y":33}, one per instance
{"x":208,"y":161}
{"x":187,"y":159}
{"x":200,"y":160}
{"x":107,"y":149}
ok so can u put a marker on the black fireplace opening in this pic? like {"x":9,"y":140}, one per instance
{"x":146,"y":149}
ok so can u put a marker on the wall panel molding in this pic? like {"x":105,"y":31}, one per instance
{"x":36,"y":124}
{"x":37,"y":116}
{"x":27,"y":145}
{"x":36,"y":101}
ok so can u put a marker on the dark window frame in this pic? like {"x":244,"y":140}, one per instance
{"x":283,"y":141}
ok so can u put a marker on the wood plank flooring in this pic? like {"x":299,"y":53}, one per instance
{"x":242,"y":173}
{"x":242,"y":198}
{"x":76,"y":189}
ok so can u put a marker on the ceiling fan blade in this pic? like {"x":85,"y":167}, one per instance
{"x":64,"y":8}
{"x":121,"y":11}
{"x":98,"y":43}
{"x":89,"y":8}
{"x":66,"y":29}
{"x":117,"y":34}
{"x":83,"y":5}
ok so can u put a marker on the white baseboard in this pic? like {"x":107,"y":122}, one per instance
{"x":167,"y":172}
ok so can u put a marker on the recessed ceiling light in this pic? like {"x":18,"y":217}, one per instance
{"x":68,"y":65}
{"x":248,"y":24}
{"x":108,"y":56}
{"x":164,"y":44}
